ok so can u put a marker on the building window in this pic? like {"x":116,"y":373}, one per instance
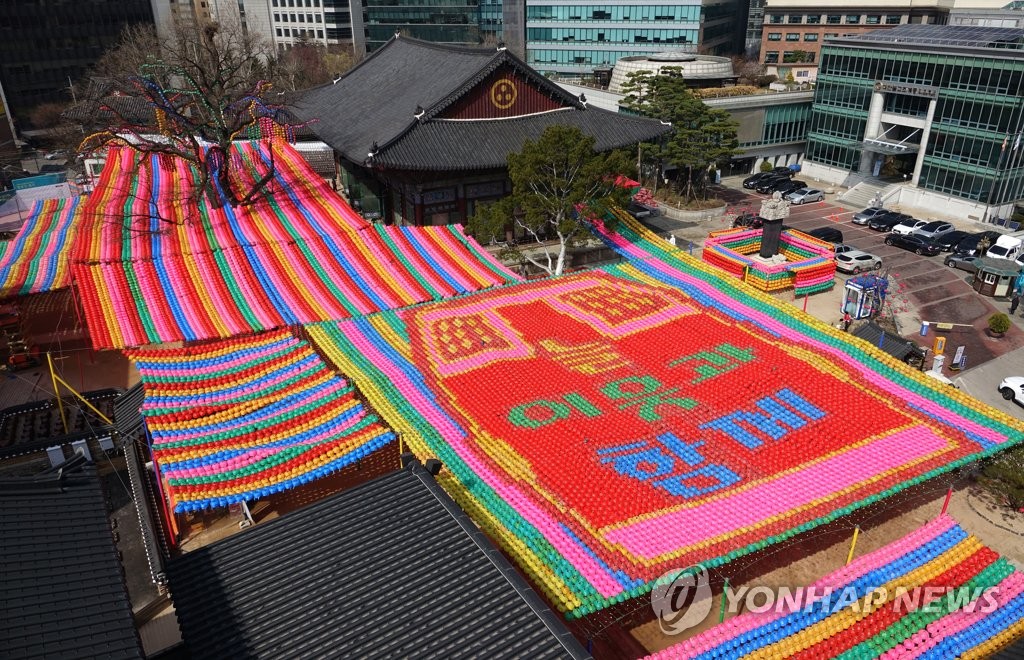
{"x":771,"y":57}
{"x":319,"y":34}
{"x":853,"y":19}
{"x":302,"y":18}
{"x":792,"y":36}
{"x":803,"y":74}
{"x":277,"y":17}
{"x":796,"y":18}
{"x":774,"y":36}
{"x":811,"y":36}
{"x":893,"y":19}
{"x":775,"y":18}
{"x":319,"y":19}
{"x":279,"y":32}
{"x":834,"y":19}
{"x":814,"y":19}
{"x":293,"y":19}
{"x":829,"y":35}
{"x":873,"y":19}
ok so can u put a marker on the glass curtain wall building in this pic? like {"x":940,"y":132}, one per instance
{"x":937,"y":106}
{"x":455,"y":22}
{"x":578,"y":36}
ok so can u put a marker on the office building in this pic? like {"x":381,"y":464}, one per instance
{"x":794,"y":30}
{"x":575,"y":37}
{"x":935,"y":112}
{"x":48,"y":44}
{"x":755,"y":28}
{"x":1010,"y":15}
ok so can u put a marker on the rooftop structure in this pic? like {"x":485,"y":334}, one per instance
{"x":392,"y":568}
{"x":697,"y":70}
{"x":62,"y":594}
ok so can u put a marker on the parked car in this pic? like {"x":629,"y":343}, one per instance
{"x":969,"y":245}
{"x":886,"y":221}
{"x":786,"y":187}
{"x":767,"y":184}
{"x":751,"y":220}
{"x":908,"y":226}
{"x":640,"y":211}
{"x":856,"y":261}
{"x":751,"y":181}
{"x":915,"y":244}
{"x":828,"y":234}
{"x":865,"y":216}
{"x":784,"y":169}
{"x":841,"y":248}
{"x":934,"y":229}
{"x":962,"y":262}
{"x":1012,"y":389}
{"x":804,"y":195}
{"x":949,"y":240}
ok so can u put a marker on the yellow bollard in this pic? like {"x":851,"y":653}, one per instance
{"x":853,"y":544}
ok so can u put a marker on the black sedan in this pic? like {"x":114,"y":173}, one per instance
{"x":750,"y":220}
{"x":949,"y":240}
{"x":751,"y":181}
{"x":915,"y":244}
{"x":969,"y":244}
{"x":788,"y":186}
{"x":886,"y":221}
{"x":767,"y":184}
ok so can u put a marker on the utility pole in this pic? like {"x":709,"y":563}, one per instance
{"x":71,"y":86}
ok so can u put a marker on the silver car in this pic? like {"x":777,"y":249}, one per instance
{"x":803,"y":195}
{"x":962,"y":262}
{"x":934,"y":229}
{"x":856,"y":261}
{"x":865,"y":216}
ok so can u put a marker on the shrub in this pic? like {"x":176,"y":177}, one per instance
{"x":999,"y":322}
{"x":1003,"y":477}
{"x":766,"y":166}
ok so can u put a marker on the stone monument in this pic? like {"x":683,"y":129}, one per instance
{"x":773,"y":211}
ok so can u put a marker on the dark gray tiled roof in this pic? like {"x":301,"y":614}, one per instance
{"x":376,"y":100}
{"x":62,"y":593}
{"x":469,"y":145}
{"x":128,"y":411}
{"x":391,"y":569}
{"x":376,"y":103}
{"x":894,"y":345}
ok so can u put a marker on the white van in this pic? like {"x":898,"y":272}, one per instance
{"x":1006,"y":247}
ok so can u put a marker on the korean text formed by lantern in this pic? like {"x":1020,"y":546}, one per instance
{"x":670,"y":463}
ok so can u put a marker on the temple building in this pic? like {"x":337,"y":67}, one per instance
{"x":422,"y":132}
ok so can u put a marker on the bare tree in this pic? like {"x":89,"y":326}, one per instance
{"x":308,"y":64}
{"x":206,"y":86}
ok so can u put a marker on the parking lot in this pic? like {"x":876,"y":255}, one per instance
{"x":923,"y":288}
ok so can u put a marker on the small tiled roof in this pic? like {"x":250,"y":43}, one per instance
{"x":62,"y":593}
{"x":894,"y":345}
{"x":391,"y":568}
{"x":376,"y":102}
